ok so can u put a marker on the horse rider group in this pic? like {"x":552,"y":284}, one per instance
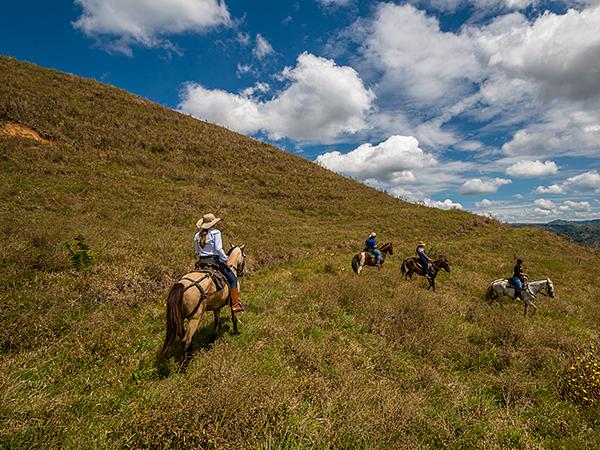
{"x":208,"y":244}
{"x":519,"y":277}
{"x":372,"y":247}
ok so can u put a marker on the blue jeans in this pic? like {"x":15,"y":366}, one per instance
{"x":518,"y":285}
{"x":377,"y":253}
{"x":425,"y":264}
{"x":231,"y":278}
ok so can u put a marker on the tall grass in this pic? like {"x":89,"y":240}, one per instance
{"x":325,"y":359}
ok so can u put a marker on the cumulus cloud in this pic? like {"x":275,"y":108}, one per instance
{"x":420,"y":68}
{"x":446,"y":204}
{"x":552,"y":189}
{"x":545,"y":204}
{"x":532,"y":169}
{"x":390,"y":160}
{"x":587,"y":181}
{"x":558,"y":52}
{"x":569,"y":205}
{"x":485,"y":203}
{"x":145,"y":22}
{"x":262,"y":48}
{"x":322,"y":101}
{"x":479,"y":186}
{"x":569,"y":130}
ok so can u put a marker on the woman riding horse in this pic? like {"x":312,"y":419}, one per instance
{"x":209,"y":248}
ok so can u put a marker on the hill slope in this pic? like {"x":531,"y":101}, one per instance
{"x":325,"y":359}
{"x":584,"y":232}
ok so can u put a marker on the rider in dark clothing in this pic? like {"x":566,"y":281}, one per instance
{"x":518,"y":278}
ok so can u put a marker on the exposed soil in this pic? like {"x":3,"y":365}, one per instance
{"x":16,"y":129}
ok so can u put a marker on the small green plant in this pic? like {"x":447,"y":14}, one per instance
{"x":583,"y":378}
{"x":80,"y":254}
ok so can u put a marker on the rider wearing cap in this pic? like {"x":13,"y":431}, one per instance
{"x":371,"y":246}
{"x":209,"y":248}
{"x":518,"y":278}
{"x":423,"y":258}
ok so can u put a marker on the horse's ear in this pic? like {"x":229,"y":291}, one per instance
{"x":231,"y":246}
{"x":243,"y":247}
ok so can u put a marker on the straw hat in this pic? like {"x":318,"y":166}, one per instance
{"x":373,"y":234}
{"x":207,"y":221}
{"x":421,"y":243}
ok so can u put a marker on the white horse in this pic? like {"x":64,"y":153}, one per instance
{"x":501,"y":287}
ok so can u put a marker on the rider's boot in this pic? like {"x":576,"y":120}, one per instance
{"x":236,"y":306}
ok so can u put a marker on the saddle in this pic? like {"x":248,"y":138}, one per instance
{"x":210,"y":267}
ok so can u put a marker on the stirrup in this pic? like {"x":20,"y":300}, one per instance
{"x":234,"y":308}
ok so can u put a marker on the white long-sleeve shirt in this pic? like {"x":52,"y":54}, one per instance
{"x":213,"y":247}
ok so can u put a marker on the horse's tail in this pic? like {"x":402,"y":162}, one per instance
{"x":174,"y":317}
{"x":355,"y":263}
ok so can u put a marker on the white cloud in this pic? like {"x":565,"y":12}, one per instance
{"x":233,"y":111}
{"x":567,"y":130}
{"x":146,"y":22}
{"x":262,"y":48}
{"x":545,"y":204}
{"x":552,"y":189}
{"x":532,"y":169}
{"x":479,"y":186}
{"x":485,"y":203}
{"x":243,"y":38}
{"x":242,"y":69}
{"x":390,"y":160}
{"x":418,"y":67}
{"x":544,"y":212}
{"x":321,"y":102}
{"x":569,"y":205}
{"x":446,"y":204}
{"x":557,"y":52}
{"x":588,"y":181}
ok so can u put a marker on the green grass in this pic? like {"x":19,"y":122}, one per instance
{"x":325,"y":359}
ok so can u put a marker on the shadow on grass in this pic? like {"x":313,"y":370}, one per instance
{"x":202,"y":341}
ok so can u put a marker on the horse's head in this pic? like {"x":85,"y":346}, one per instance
{"x":550,"y":288}
{"x":237,"y":258}
{"x":443,"y":264}
{"x":387,"y":248}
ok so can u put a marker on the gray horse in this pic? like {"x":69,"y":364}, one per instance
{"x":500,"y":288}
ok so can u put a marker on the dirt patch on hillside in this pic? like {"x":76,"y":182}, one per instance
{"x":16,"y":129}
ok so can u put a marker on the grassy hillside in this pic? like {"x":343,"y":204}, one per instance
{"x":584,"y":232}
{"x":325,"y":359}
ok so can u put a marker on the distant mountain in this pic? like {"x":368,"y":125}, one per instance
{"x":585,"y":232}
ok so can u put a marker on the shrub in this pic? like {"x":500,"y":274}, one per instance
{"x":583,"y":378}
{"x":80,"y":254}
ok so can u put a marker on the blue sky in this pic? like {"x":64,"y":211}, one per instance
{"x":492,"y":106}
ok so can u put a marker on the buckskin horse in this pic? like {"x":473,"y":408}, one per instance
{"x":412,"y":265}
{"x":500,"y":288}
{"x":368,"y":259}
{"x":191,"y":296}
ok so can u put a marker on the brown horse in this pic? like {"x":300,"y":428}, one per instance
{"x":368,"y":259}
{"x":194,"y":294}
{"x":412,"y":265}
